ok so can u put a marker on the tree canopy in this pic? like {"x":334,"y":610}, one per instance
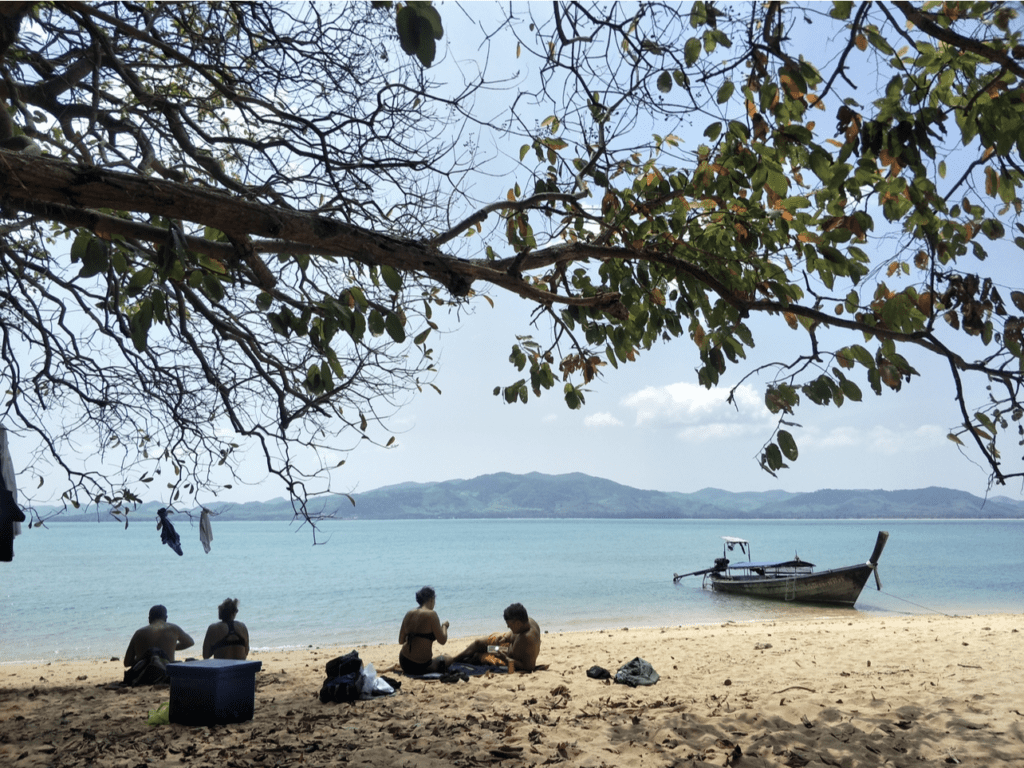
{"x":235,"y":223}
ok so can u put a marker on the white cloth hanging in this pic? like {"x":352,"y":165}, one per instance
{"x":7,"y":467}
{"x":205,"y":530}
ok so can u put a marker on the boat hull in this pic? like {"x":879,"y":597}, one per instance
{"x":839,"y":586}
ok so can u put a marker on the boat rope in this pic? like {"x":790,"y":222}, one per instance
{"x":925,"y":607}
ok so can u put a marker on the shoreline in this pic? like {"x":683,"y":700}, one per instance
{"x":839,"y":616}
{"x":850,"y":692}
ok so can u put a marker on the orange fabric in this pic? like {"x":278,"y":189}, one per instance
{"x":498,"y":638}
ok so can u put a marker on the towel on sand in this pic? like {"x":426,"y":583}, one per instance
{"x":461,"y":668}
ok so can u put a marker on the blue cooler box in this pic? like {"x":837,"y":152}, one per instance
{"x":212,"y":691}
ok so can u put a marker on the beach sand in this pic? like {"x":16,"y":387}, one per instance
{"x":863,"y":691}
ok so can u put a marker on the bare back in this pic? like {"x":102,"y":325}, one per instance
{"x":420,"y":628}
{"x":167,"y":637}
{"x":232,"y":645}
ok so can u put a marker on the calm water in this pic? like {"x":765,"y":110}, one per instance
{"x":79,"y":590}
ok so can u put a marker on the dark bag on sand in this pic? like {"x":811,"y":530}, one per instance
{"x":636,"y":672}
{"x":342,"y":688}
{"x":343,"y":665}
{"x":344,"y":679}
{"x":598,"y":673}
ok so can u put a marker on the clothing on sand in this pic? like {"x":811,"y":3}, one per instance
{"x":490,"y":659}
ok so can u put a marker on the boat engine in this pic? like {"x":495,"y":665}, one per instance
{"x":721,"y":564}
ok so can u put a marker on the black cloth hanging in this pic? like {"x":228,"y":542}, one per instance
{"x":168,"y":535}
{"x":10,"y":513}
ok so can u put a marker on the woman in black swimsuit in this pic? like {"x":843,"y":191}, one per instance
{"x":227,"y":638}
{"x":420,"y":628}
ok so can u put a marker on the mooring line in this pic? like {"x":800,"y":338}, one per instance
{"x":925,"y":607}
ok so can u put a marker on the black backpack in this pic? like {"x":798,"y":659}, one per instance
{"x":344,"y":676}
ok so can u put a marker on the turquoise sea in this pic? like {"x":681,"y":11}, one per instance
{"x":79,"y":590}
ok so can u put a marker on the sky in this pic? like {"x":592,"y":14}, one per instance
{"x":649,"y":424}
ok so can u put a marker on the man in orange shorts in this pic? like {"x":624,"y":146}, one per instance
{"x":522,"y":641}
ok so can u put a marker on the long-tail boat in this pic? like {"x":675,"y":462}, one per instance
{"x":793,"y":580}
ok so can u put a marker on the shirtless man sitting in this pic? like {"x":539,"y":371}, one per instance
{"x":523,"y":641}
{"x":159,"y":638}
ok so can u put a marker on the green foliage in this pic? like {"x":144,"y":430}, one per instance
{"x":419,"y":27}
{"x":778,"y":214}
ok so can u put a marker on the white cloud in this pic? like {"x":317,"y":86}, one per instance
{"x":842,"y":437}
{"x":601,"y":420}
{"x":877,"y":439}
{"x":697,"y":408}
{"x":717,"y":432}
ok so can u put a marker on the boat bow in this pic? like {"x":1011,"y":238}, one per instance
{"x":883,"y":536}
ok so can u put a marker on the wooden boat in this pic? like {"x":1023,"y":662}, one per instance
{"x":793,"y":580}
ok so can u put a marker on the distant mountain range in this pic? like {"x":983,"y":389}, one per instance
{"x":576,"y":495}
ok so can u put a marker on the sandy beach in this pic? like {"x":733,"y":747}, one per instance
{"x":868,"y":691}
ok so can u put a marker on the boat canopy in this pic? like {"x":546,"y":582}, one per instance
{"x":732,"y":541}
{"x":765,"y":566}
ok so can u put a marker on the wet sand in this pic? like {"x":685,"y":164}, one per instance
{"x":863,"y":691}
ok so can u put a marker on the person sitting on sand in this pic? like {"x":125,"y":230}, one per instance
{"x":152,"y":647}
{"x":420,"y":628}
{"x":523,"y":642}
{"x":227,"y":638}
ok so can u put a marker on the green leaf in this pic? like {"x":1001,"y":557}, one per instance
{"x":794,"y":203}
{"x":395,"y":328}
{"x":79,"y":247}
{"x":778,"y":182}
{"x":841,"y":9}
{"x":664,"y":82}
{"x":213,"y":287}
{"x":862,"y":356}
{"x":140,"y":323}
{"x":691,"y":51}
{"x":725,"y":92}
{"x":376,"y":323}
{"x":212,"y":264}
{"x":788,"y":445}
{"x":95,"y":259}
{"x":430,"y":14}
{"x":573,"y":397}
{"x":419,"y":26}
{"x":851,"y":390}
{"x":139,"y":280}
{"x":713,"y":131}
{"x":1007,"y":191}
{"x":392,"y":279}
{"x":773,"y":457}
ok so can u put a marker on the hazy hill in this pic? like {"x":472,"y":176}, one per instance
{"x":576,"y":495}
